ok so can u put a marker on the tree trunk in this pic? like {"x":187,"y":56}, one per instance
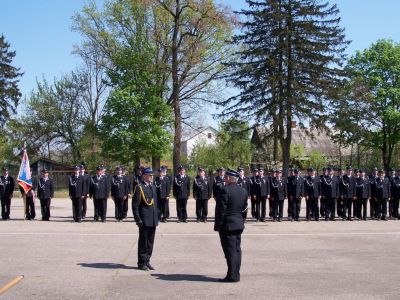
{"x":155,"y":163}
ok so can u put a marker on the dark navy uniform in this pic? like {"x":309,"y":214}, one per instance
{"x":218,"y":184}
{"x":99,"y":191}
{"x":7,"y":185}
{"x":76,"y":194}
{"x":181,"y":191}
{"x":395,"y":193}
{"x":229,"y":222}
{"x":363,"y":193}
{"x":262,"y":191}
{"x":278,"y":195}
{"x":163,"y":186}
{"x":373,"y":202}
{"x":45,"y":193}
{"x":86,"y":191}
{"x":202,"y":191}
{"x":330,"y":192}
{"x":312,"y":188}
{"x":340,"y":200}
{"x":30,"y":212}
{"x":349,"y":194}
{"x":245,"y":183}
{"x":295,"y":188}
{"x":119,"y":193}
{"x":253,"y":197}
{"x":145,"y":212}
{"x":383,"y":193}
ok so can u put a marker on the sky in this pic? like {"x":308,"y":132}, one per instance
{"x":40,"y":32}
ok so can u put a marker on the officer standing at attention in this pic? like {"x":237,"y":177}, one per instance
{"x":278,"y":194}
{"x":163,"y":186}
{"x":7,"y":185}
{"x":45,"y":193}
{"x":395,"y":193}
{"x":349,"y":192}
{"x":202,"y":190}
{"x":312,"y":189}
{"x":383,"y":194}
{"x":219,"y":182}
{"x":244,"y":182}
{"x":119,"y":192}
{"x":253,"y":194}
{"x":229,"y":222}
{"x":262,"y":188}
{"x":181,"y":191}
{"x":86,"y":188}
{"x":99,"y":191}
{"x":295,"y":192}
{"x":330,"y":191}
{"x":76,"y":193}
{"x":30,"y":212}
{"x":145,"y":212}
{"x":363,"y":193}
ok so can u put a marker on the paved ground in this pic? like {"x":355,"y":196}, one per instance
{"x":307,"y":260}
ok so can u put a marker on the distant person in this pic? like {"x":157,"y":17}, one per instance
{"x":145,"y":212}
{"x":119,"y":192}
{"x":229,"y":222}
{"x":99,"y":191}
{"x":202,"y":192}
{"x":163,"y":186}
{"x":181,"y":191}
{"x":45,"y":194}
{"x":7,"y":185}
{"x":30,"y":212}
{"x":76,"y":191}
{"x":86,"y":188}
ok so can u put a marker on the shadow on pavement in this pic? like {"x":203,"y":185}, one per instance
{"x":184,"y":277}
{"x":106,"y":266}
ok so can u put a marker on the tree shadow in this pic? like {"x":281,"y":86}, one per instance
{"x":106,"y":266}
{"x":185,"y":277}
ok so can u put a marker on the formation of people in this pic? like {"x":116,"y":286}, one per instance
{"x":335,"y":193}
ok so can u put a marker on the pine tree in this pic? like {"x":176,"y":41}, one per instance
{"x":288,"y":66}
{"x":9,"y":91}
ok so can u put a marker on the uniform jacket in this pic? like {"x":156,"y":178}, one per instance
{"x":246,"y":184}
{"x":349,"y":186}
{"x":262,"y":186}
{"x":383,"y":188}
{"x":144,"y":205}
{"x":218,"y":184}
{"x":120,"y":186}
{"x":7,"y":186}
{"x":181,"y":187}
{"x":229,"y":207}
{"x":395,"y":193}
{"x":295,"y":186}
{"x":86,"y":184}
{"x":312,"y":186}
{"x":76,"y":186}
{"x":278,"y":188}
{"x":99,"y":187}
{"x":45,"y":188}
{"x":202,"y":188}
{"x":363,"y":188}
{"x":330,"y":187}
{"x":163,"y":186}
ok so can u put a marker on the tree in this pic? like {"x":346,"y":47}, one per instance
{"x":189,"y":39}
{"x":288,"y":66}
{"x":9,"y":78}
{"x":376,"y":120}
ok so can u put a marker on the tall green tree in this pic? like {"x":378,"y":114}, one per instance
{"x":9,"y":78}
{"x":371,"y":107}
{"x":288,"y":66}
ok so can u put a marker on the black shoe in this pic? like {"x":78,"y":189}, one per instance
{"x":349,"y":219}
{"x":143,"y":268}
{"x":178,"y":221}
{"x":279,"y":220}
{"x":384,"y":219}
{"x":198,"y":221}
{"x":79,"y":221}
{"x":150,"y":267}
{"x":96,"y":219}
{"x":103,"y":221}
{"x":333,"y":219}
{"x":326,"y":219}
{"x":227,"y":280}
{"x":185,"y":221}
{"x":205,"y":221}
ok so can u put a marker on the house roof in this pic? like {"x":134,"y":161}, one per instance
{"x":200,"y":131}
{"x":51,"y":162}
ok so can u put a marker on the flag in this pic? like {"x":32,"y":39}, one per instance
{"x":24,"y":175}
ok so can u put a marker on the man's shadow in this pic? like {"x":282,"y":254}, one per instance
{"x":106,"y":266}
{"x":184,"y":277}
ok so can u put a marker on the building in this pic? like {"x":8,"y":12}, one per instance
{"x":58,"y":171}
{"x":202,"y":136}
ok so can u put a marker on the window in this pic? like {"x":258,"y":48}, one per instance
{"x":209,"y":135}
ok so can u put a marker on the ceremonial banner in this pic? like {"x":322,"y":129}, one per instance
{"x":24,"y":175}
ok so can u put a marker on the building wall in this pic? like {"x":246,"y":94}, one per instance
{"x":206,"y":137}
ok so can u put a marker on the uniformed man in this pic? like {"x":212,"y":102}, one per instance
{"x":163,"y":186}
{"x":145,"y":212}
{"x":330,"y":192}
{"x":288,"y":184}
{"x":229,"y":222}
{"x":119,"y":192}
{"x":312,"y":189}
{"x":278,"y":194}
{"x":262,"y":189}
{"x":349,"y":192}
{"x":45,"y":194}
{"x":30,"y":212}
{"x":295,"y":190}
{"x":86,"y":188}
{"x":340,"y":200}
{"x":390,"y":203}
{"x":363,"y":193}
{"x":7,"y":185}
{"x":253,"y":194}
{"x":202,"y":192}
{"x":126,"y":203}
{"x":373,"y":201}
{"x":99,"y":192}
{"x":218,"y":182}
{"x":181,"y":191}
{"x":245,"y":183}
{"x":76,"y":193}
{"x":396,"y":194}
{"x":383,"y":194}
{"x":273,"y":174}
{"x":322,"y":198}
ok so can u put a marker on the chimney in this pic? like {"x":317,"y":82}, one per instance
{"x":294,"y":124}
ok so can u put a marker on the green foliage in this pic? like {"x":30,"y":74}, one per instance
{"x":232,"y":149}
{"x":316,"y":160}
{"x":297,"y":150}
{"x":9,"y":78}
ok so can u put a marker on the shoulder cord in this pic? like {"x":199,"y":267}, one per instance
{"x":42,"y":185}
{"x":176,"y":181}
{"x":142,"y":196}
{"x":396,"y":183}
{"x":345,"y":184}
{"x":275,"y":185}
{"x":330,"y":183}
{"x":360,"y":185}
{"x":376,"y":183}
{"x":310,"y":184}
{"x":157,"y":185}
{"x":197,"y":183}
{"x":73,"y":183}
{"x":116,"y":183}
